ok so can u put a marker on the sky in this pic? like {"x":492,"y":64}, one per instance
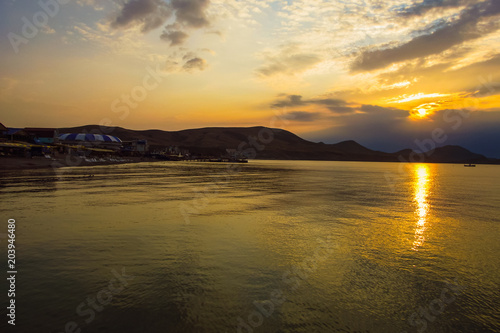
{"x":389,"y":74}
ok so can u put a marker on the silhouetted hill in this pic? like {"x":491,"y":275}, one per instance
{"x":445,"y":154}
{"x":281,"y":144}
{"x":352,"y":147}
{"x":449,"y":154}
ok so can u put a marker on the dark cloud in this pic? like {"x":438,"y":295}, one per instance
{"x":465,"y":28}
{"x":341,"y":109}
{"x":422,"y":7}
{"x":195,"y":64}
{"x":334,"y":105}
{"x":191,"y":12}
{"x":149,"y":14}
{"x":302,"y":116}
{"x":290,"y":100}
{"x":374,"y":109}
{"x":175,"y":37}
{"x":332,"y":102}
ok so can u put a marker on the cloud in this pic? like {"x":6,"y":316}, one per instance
{"x":334,"y":105}
{"x":466,"y":27}
{"x":341,"y":109}
{"x":184,"y":61}
{"x":302,"y":116}
{"x":151,"y":14}
{"x":191,"y":12}
{"x":175,"y":37}
{"x":148,"y":14}
{"x":116,"y":42}
{"x":376,"y":109}
{"x":47,"y":30}
{"x":289,"y":65}
{"x":91,"y":3}
{"x":290,"y":100}
{"x":472,"y":78}
{"x":423,"y":7}
{"x":195,"y":64}
{"x":289,"y":60}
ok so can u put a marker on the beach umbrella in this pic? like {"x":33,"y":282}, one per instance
{"x":88,"y":137}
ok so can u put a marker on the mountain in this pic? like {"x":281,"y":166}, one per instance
{"x":266,"y":143}
{"x":450,"y":154}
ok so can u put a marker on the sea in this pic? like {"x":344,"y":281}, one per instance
{"x":267,"y":246}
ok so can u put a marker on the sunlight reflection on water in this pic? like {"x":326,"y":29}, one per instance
{"x":422,"y":207}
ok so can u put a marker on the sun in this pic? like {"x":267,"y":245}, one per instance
{"x":423,"y":111}
{"x":420,"y":113}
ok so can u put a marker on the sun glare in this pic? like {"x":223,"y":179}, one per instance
{"x":422,"y":112}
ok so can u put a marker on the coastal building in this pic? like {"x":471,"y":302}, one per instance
{"x":42,"y":135}
{"x":17,"y":134}
{"x":135,"y":147}
{"x":97,"y":141}
{"x":2,"y":129}
{"x":3,"y":132}
{"x":14,"y":142}
{"x":175,"y":150}
{"x":235,"y":155}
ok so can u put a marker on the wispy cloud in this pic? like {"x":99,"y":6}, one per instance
{"x":414,"y":97}
{"x":289,"y":60}
{"x":195,"y":64}
{"x":91,"y":3}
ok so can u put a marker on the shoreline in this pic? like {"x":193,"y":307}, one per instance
{"x":34,"y":163}
{"x":21,"y":163}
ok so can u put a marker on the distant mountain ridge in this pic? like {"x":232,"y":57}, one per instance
{"x":284,"y":145}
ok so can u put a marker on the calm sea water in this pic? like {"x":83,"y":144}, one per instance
{"x":271,"y":246}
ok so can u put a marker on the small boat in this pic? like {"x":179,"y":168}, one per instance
{"x":470,"y":165}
